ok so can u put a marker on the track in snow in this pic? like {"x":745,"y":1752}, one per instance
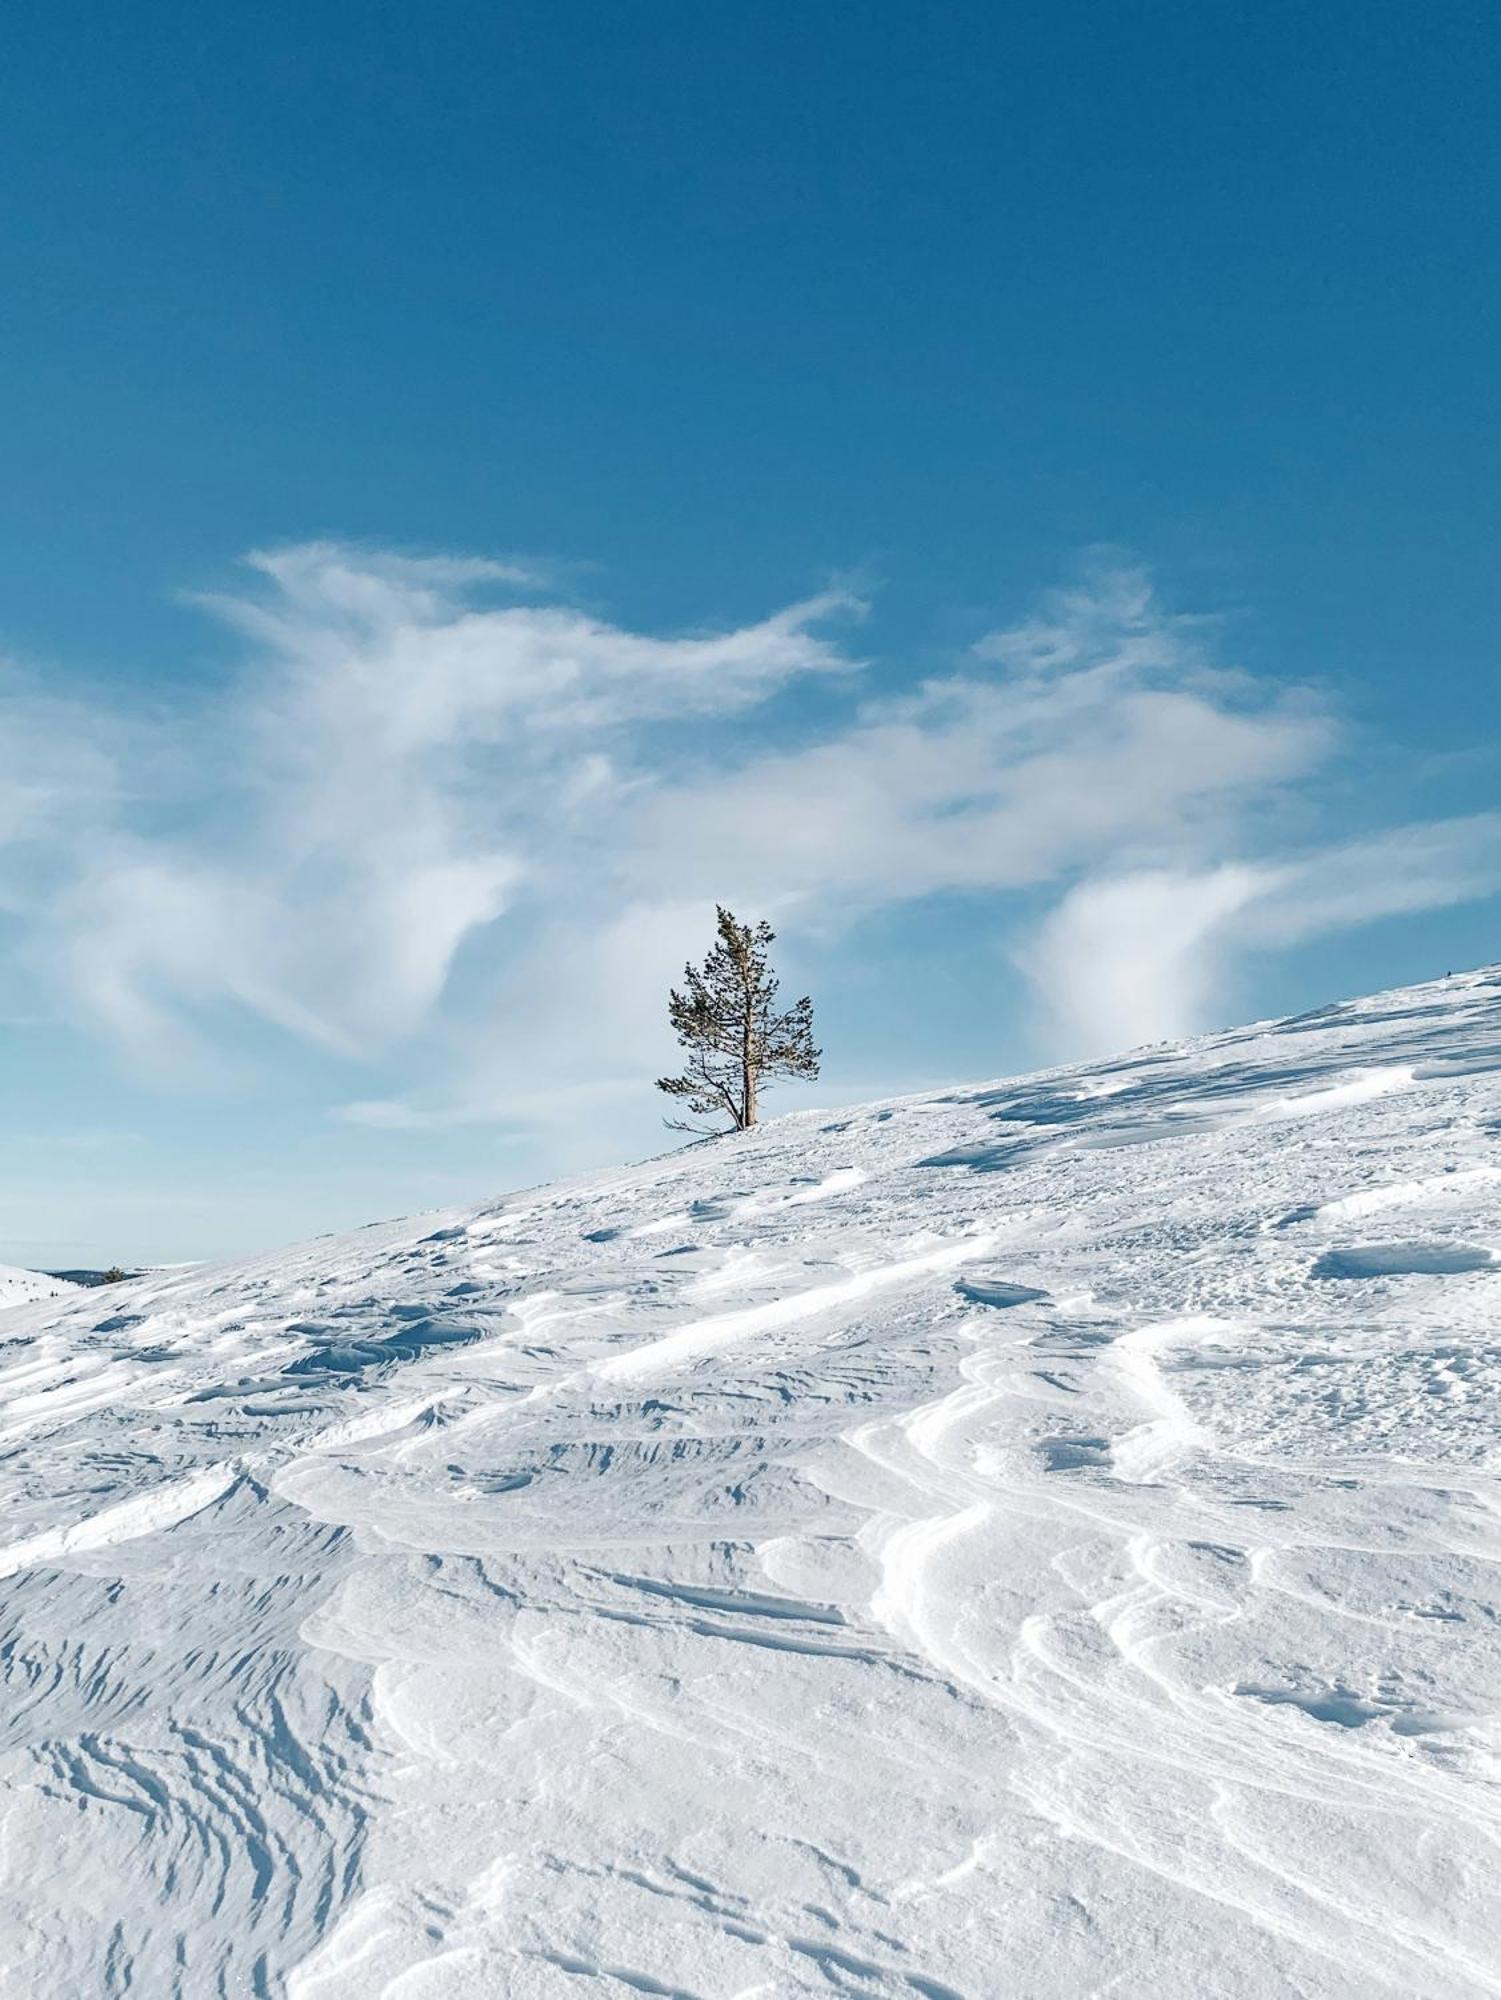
{"x":1038,"y":1539}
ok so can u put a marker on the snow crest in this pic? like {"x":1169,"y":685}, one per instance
{"x":19,"y":1287}
{"x":1041,"y":1538}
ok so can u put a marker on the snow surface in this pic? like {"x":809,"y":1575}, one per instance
{"x":1040,"y":1539}
{"x":19,"y":1287}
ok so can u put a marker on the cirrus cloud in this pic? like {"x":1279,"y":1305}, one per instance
{"x":388,"y":770}
{"x":433,"y":808}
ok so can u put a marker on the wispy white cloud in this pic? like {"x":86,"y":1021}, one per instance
{"x":1428,"y":866}
{"x":1090,"y":739}
{"x":1129,"y":957}
{"x":392,"y":767}
{"x":1133,"y":958}
{"x":431,"y":797}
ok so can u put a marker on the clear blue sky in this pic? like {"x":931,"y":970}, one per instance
{"x":1171,"y":330}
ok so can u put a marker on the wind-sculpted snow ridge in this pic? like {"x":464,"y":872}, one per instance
{"x":1034,"y":1540}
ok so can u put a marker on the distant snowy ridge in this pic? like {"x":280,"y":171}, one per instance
{"x":1034,"y":1539}
{"x":18,"y":1287}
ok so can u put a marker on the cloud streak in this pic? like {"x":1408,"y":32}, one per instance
{"x":1147,"y":955}
{"x":390,"y":769}
{"x":429,"y":799}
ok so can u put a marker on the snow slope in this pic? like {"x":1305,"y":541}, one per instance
{"x":20,"y":1287}
{"x":1032,"y":1540}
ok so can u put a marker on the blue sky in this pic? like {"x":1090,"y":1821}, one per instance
{"x":1010,"y":493}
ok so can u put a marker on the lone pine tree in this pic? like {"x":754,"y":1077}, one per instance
{"x":726,"y":1017}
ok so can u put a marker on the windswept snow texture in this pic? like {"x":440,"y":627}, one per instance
{"x":1031,"y":1540}
{"x":20,"y":1287}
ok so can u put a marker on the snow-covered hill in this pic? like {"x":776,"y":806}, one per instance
{"x":1040,"y":1539}
{"x":19,"y":1287}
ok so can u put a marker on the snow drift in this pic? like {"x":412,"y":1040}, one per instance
{"x":1037,"y":1539}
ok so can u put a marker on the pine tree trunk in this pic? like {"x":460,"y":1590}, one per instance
{"x":747,"y":1070}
